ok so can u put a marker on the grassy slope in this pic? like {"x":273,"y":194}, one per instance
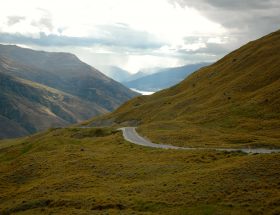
{"x":94,"y":171}
{"x":10,"y":128}
{"x":65,"y":72}
{"x":234,"y":102}
{"x":55,"y":89}
{"x":27,"y":107}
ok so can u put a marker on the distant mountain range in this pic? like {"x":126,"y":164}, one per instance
{"x":163,"y":78}
{"x":121,"y":75}
{"x":43,"y":89}
{"x":116,"y":73}
{"x":143,"y":72}
{"x":151,"y":79}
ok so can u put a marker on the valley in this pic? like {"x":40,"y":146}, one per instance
{"x":233,"y":103}
{"x":161,"y":78}
{"x":152,"y":79}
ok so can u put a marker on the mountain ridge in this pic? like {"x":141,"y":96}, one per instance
{"x":57,"y":88}
{"x":163,"y":78}
{"x":33,"y":107}
{"x":115,"y":72}
{"x":59,"y":70}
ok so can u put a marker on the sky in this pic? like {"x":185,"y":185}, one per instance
{"x":138,"y":34}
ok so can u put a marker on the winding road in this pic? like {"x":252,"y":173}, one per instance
{"x":130,"y":134}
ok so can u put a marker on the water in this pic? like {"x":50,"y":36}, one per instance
{"x":143,"y":92}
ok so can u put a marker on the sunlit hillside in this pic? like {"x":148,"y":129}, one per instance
{"x":234,"y":102}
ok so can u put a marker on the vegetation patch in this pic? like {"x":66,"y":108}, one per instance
{"x":90,"y":132}
{"x":27,"y":206}
{"x":150,"y":206}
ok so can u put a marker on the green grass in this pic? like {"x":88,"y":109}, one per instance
{"x":79,"y":171}
{"x":26,"y":148}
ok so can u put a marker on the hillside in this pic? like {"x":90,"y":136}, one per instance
{"x":40,"y":90}
{"x":65,"y":72}
{"x":27,"y":107}
{"x":94,"y":171}
{"x":163,"y":78}
{"x":234,"y":102}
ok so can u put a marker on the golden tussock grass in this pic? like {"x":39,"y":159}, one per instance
{"x":94,"y":171}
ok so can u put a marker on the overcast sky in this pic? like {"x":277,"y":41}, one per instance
{"x":136,"y":34}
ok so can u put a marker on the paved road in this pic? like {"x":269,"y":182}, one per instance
{"x":130,"y":134}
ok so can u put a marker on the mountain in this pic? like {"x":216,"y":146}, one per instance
{"x":27,"y":107}
{"x":116,"y":73}
{"x":151,"y":79}
{"x":64,"y":71}
{"x":121,"y":75}
{"x":41,"y":89}
{"x":233,"y":102}
{"x":163,"y":78}
{"x":142,"y":73}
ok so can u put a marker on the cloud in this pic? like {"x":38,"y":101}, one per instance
{"x":45,"y":22}
{"x":239,"y":4}
{"x":250,"y":18}
{"x":12,"y":20}
{"x":216,"y":46}
{"x":108,"y":35}
{"x":135,"y":34}
{"x":244,"y":20}
{"x":212,"y":49}
{"x":122,"y":35}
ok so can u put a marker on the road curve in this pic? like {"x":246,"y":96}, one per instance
{"x":130,"y":134}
